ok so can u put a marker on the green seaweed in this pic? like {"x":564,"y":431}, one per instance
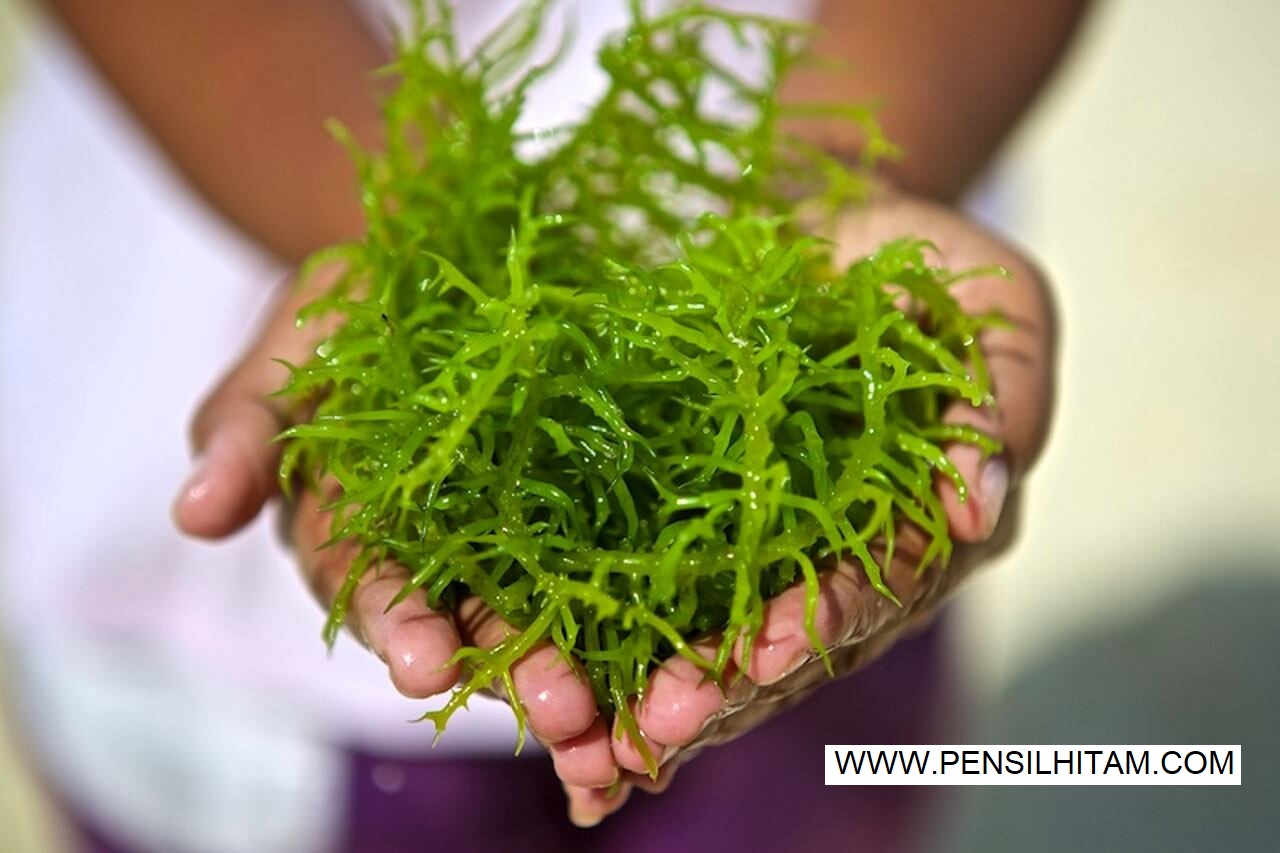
{"x":615,"y":389}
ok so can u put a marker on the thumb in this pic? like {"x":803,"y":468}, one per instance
{"x":1020,"y":358}
{"x":234,"y":471}
{"x":1020,"y":353}
{"x":974,"y":516}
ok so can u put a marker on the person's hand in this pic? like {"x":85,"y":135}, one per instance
{"x":683,"y":712}
{"x":235,"y":475}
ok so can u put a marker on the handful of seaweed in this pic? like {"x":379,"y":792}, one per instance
{"x":614,"y":390}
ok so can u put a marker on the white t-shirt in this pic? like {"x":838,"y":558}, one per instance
{"x":176,"y":689}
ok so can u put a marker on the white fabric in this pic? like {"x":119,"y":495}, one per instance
{"x":176,"y":761}
{"x":179,"y":690}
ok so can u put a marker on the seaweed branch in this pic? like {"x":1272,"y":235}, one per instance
{"x":615,"y":390}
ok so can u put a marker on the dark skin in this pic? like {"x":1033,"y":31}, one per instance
{"x":953,"y":79}
{"x":237,"y":93}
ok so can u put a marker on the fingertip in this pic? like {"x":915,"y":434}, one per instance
{"x":782,"y":644}
{"x":780,"y":647}
{"x":628,"y":756}
{"x":976,"y":517}
{"x":586,"y":761}
{"x":557,"y":700}
{"x":418,"y":651}
{"x":659,"y":785}
{"x":589,"y":806}
{"x":679,"y":701}
{"x":191,"y":498}
{"x":216,"y":499}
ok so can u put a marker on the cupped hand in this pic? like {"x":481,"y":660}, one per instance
{"x":683,"y":712}
{"x":235,"y":476}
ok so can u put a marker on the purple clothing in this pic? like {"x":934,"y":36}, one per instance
{"x":762,"y":792}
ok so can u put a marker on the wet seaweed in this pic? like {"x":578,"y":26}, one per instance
{"x":616,"y":389}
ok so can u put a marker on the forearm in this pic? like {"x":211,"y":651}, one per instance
{"x":953,"y":78}
{"x":237,"y":93}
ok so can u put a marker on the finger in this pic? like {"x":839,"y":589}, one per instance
{"x":589,"y":806}
{"x":557,"y":699}
{"x":415,"y":641}
{"x":681,"y":698}
{"x":642,"y":782}
{"x":586,"y":761}
{"x":553,"y":691}
{"x":782,"y":645}
{"x":1018,"y":359}
{"x":1020,"y":355}
{"x":974,"y":517}
{"x":234,"y":471}
{"x":232,"y":474}
{"x":628,"y":755}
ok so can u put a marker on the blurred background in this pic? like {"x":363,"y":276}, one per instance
{"x":1141,"y":605}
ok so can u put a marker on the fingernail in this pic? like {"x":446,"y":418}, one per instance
{"x":204,"y":474}
{"x":584,"y":818}
{"x":993,"y":486}
{"x":789,"y":670}
{"x":611,"y":787}
{"x":197,"y":483}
